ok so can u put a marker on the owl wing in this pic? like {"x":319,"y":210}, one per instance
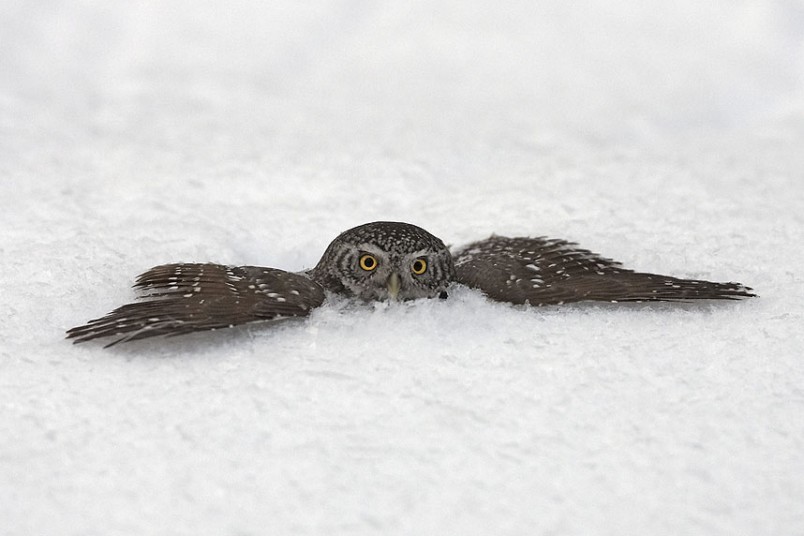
{"x":182,"y":298}
{"x":542,"y":271}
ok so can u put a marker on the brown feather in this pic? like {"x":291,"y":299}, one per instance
{"x":182,"y":298}
{"x":542,"y":271}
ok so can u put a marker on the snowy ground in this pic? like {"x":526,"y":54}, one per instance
{"x":666,"y":135}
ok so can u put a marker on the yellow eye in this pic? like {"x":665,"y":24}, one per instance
{"x":419,"y":266}
{"x":368,"y":262}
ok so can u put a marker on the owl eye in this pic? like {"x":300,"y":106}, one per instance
{"x":419,"y":266}
{"x":368,"y":262}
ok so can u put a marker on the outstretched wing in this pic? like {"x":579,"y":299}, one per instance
{"x":542,"y":271}
{"x":182,"y":298}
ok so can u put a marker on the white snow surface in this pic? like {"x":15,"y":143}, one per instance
{"x":668,"y":136}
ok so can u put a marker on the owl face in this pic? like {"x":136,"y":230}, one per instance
{"x":386,"y":261}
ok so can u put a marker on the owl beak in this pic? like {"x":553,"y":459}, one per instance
{"x":394,"y":283}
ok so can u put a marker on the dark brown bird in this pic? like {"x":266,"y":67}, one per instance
{"x":386,"y":261}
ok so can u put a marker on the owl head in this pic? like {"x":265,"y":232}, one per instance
{"x":386,"y":261}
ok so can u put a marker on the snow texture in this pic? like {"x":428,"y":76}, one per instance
{"x":665,"y":135}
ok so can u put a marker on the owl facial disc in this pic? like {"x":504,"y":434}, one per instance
{"x":386,"y":261}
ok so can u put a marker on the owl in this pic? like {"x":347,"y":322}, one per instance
{"x":385,"y":261}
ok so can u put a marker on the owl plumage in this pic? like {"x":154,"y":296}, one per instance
{"x":385,"y":261}
{"x":542,"y":271}
{"x":187,"y":297}
{"x":406,"y":262}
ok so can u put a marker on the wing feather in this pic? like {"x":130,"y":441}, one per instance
{"x":182,"y":298}
{"x":542,"y":271}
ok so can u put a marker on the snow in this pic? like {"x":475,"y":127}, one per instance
{"x":667,"y":136}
